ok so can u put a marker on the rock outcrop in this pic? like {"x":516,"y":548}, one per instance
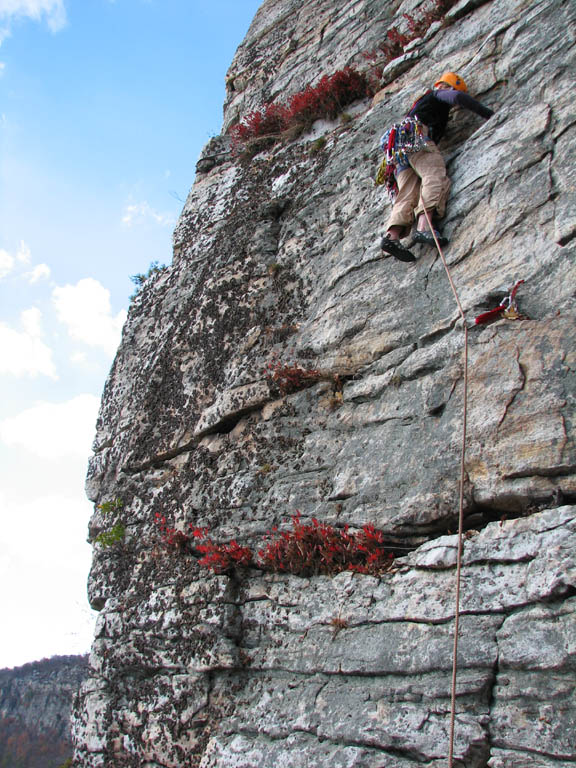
{"x":277,"y":263}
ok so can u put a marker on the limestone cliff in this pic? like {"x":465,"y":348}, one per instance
{"x":277,"y":262}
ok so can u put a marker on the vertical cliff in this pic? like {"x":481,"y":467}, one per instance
{"x":277,"y":267}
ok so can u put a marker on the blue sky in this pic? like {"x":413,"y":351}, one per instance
{"x":105,"y":106}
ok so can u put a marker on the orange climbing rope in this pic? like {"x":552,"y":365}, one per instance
{"x":461,"y":500}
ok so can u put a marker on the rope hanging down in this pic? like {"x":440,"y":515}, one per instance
{"x":461,"y":499}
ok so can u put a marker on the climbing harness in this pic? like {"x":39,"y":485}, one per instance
{"x":507,"y":308}
{"x":398,"y":143}
{"x":461,"y":498}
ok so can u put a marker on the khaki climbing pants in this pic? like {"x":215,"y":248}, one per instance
{"x":425,"y":179}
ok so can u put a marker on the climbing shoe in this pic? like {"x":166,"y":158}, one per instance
{"x":396,"y":249}
{"x":428,"y":238}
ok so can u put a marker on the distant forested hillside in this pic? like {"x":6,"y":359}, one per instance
{"x":35,"y":703}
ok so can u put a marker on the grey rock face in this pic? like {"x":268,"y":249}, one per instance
{"x":277,"y":262}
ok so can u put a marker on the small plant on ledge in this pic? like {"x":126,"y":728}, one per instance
{"x":172,"y":539}
{"x":395,"y":42}
{"x":112,"y":536}
{"x":115,"y":534}
{"x":313,"y":548}
{"x":325,"y":100}
{"x":140,"y":279}
{"x":110,"y":507}
{"x":308,"y":549}
{"x":318,"y":145}
{"x":221,"y":558}
{"x":290,"y":378}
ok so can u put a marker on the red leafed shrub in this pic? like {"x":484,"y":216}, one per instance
{"x":327,"y":99}
{"x":306,"y":550}
{"x":221,"y":557}
{"x":396,"y":41}
{"x":290,"y":378}
{"x":171,"y":538}
{"x":389,"y":49}
{"x":419,"y":26}
{"x":271,"y":119}
{"x":324,"y":100}
{"x":319,"y":548}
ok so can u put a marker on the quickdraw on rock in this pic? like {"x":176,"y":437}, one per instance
{"x":400,"y":141}
{"x":508,"y":308}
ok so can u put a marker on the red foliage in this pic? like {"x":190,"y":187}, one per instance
{"x":396,"y":41}
{"x":419,"y":27}
{"x":171,"y":538}
{"x":222,"y":557}
{"x":328,"y":97}
{"x":290,"y":378}
{"x":320,"y":548}
{"x":306,"y":550}
{"x":324,"y":100}
{"x":271,"y":119}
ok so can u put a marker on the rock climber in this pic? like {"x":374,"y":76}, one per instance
{"x":413,"y":169}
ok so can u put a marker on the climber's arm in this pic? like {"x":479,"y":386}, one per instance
{"x":464,"y":100}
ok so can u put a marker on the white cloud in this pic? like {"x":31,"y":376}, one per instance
{"x":134,"y":212}
{"x":85,"y":308}
{"x":54,"y":430}
{"x":23,"y":352}
{"x":31,"y":320}
{"x":85,"y":363}
{"x":39,"y":272}
{"x":7,"y":260}
{"x":57,"y":601}
{"x":23,"y":254}
{"x":6,"y":263}
{"x":53,"y":11}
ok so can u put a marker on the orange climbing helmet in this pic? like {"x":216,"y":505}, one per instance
{"x":452,"y":79}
